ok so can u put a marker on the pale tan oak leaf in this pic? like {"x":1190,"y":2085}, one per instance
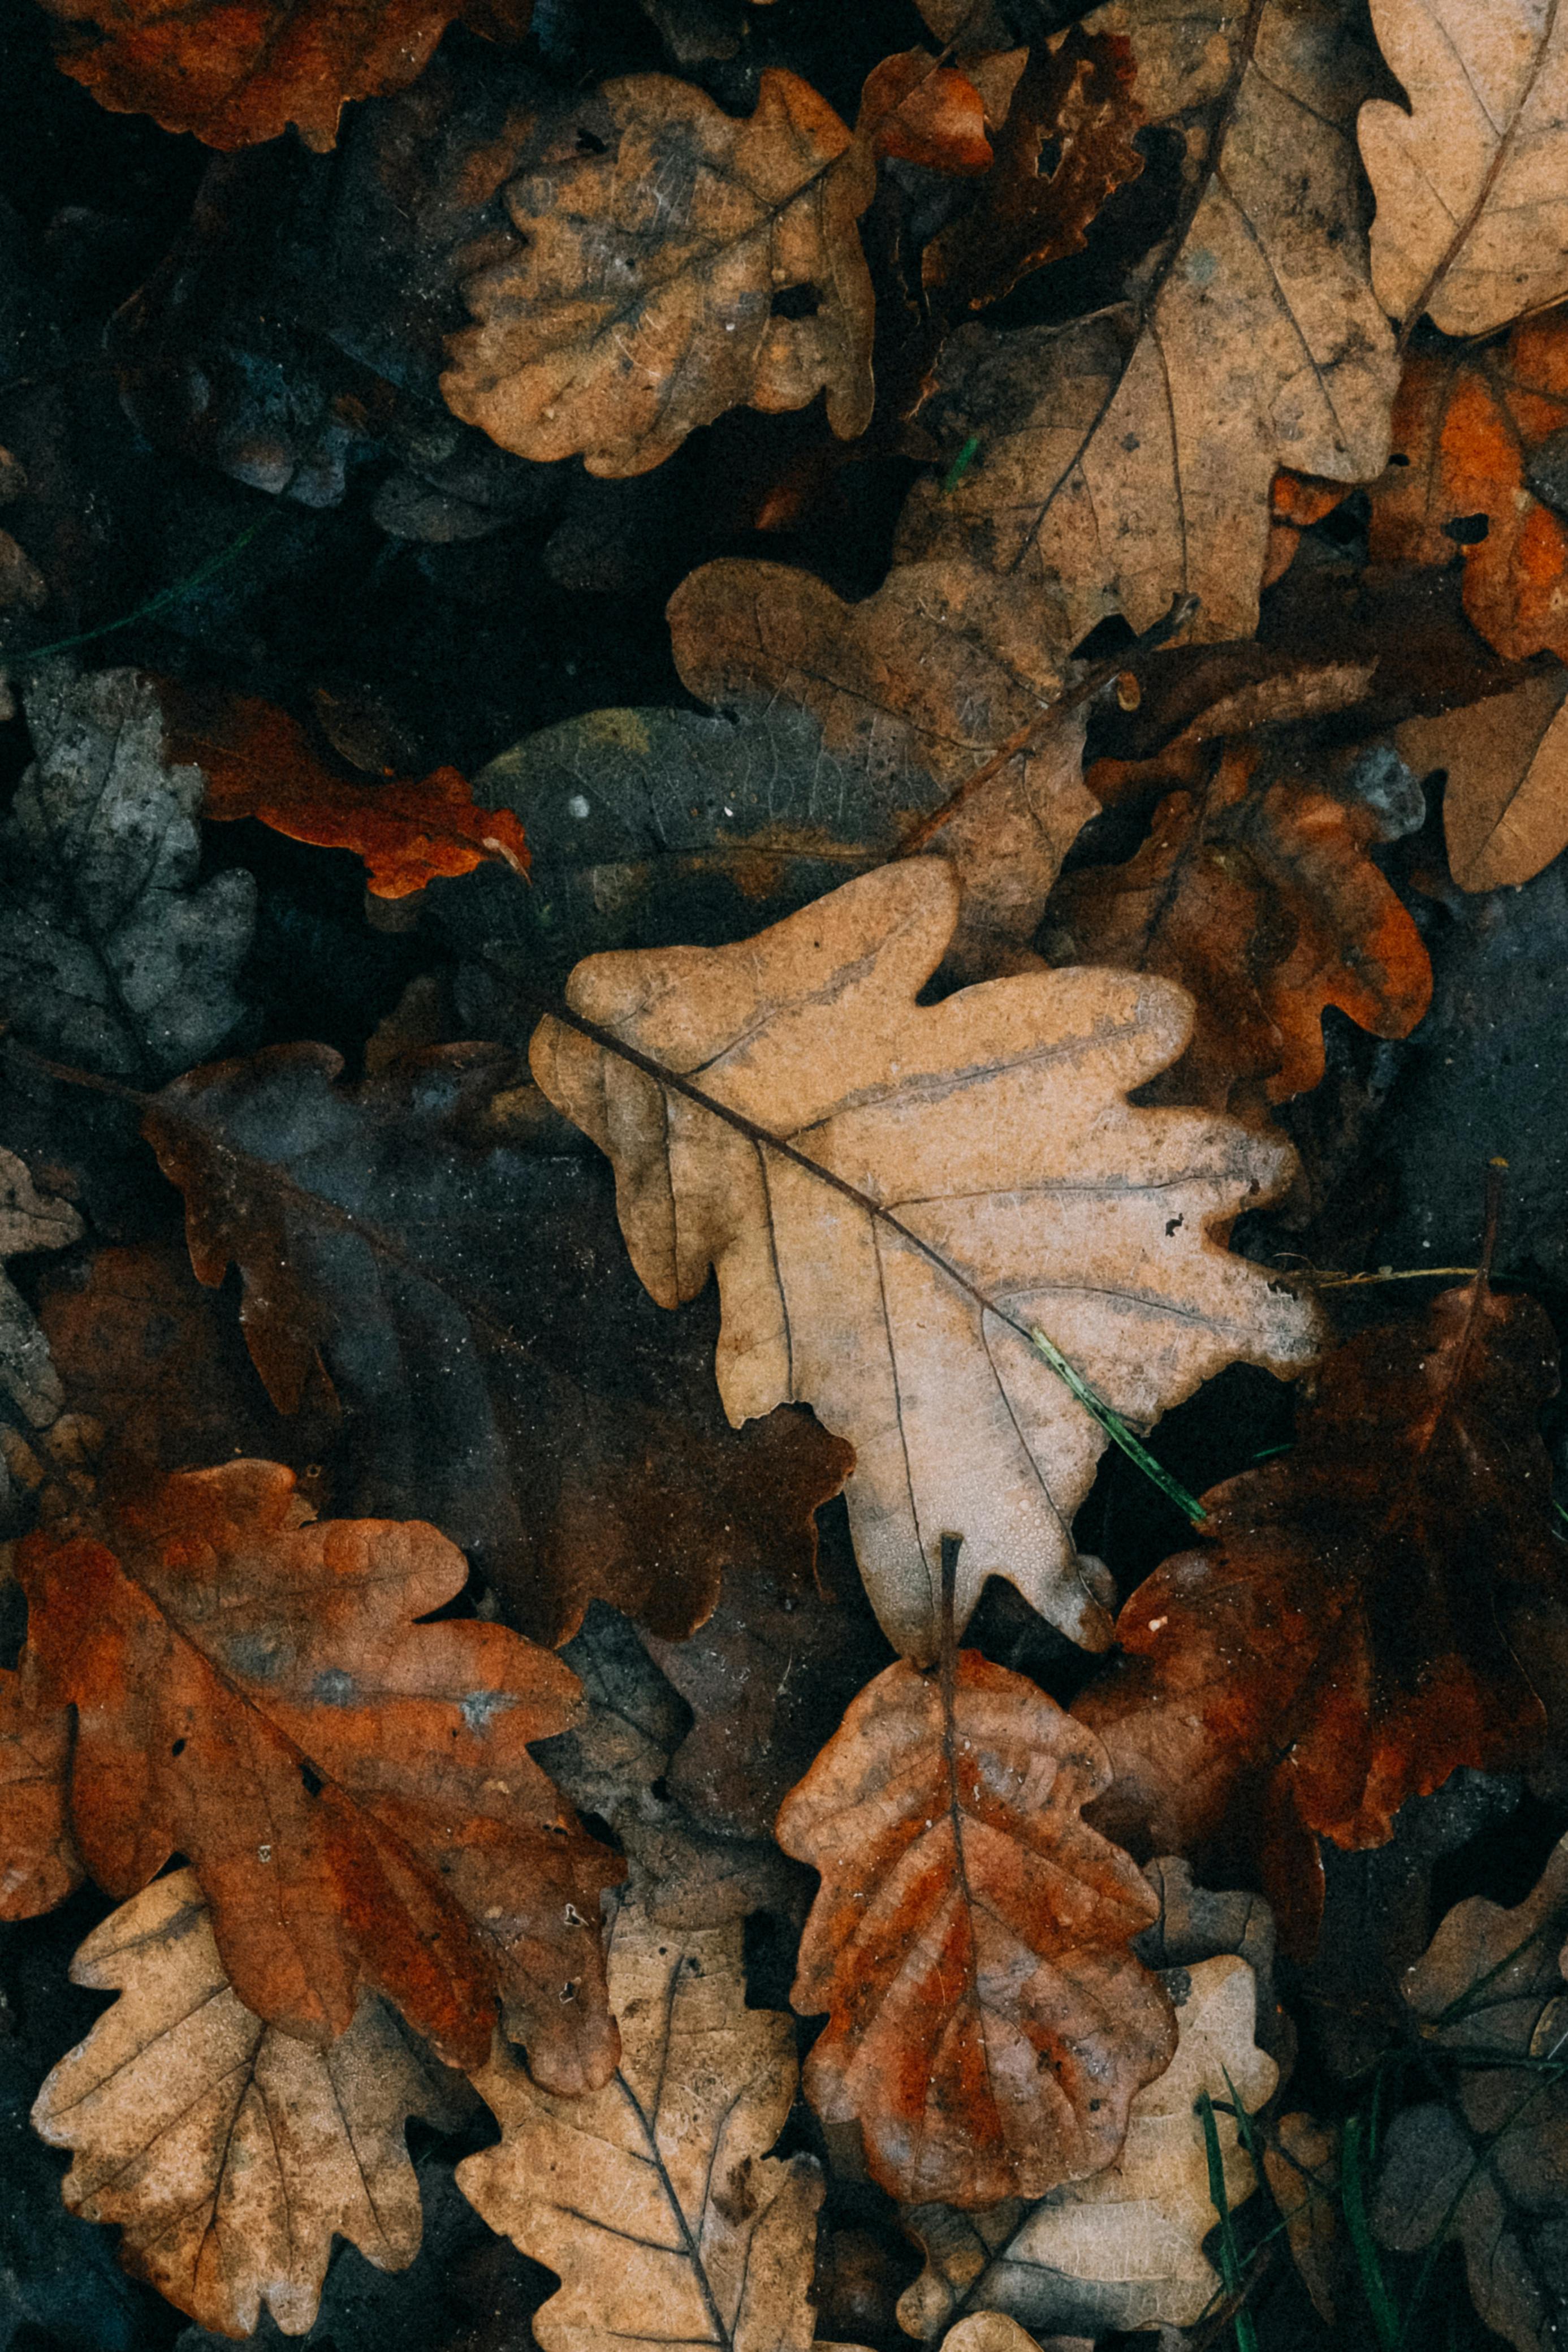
{"x":1122,"y":2248}
{"x":655,"y":2198}
{"x":1125,"y":460}
{"x":1471,"y":225}
{"x":1505,"y":806}
{"x":648,"y":291}
{"x":229,"y":2153}
{"x":991,"y":1131}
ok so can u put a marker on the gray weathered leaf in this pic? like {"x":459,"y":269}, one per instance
{"x":112,"y":954}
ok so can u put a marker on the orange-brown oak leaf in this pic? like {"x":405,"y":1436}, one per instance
{"x":240,"y":71}
{"x":1484,"y":437}
{"x":499,"y":1366}
{"x":987,"y":2025}
{"x":38,"y":1865}
{"x":922,"y":112}
{"x":1063,"y":150}
{"x":1342,"y":1642}
{"x":259,"y":762}
{"x":1258,"y":895}
{"x":353,"y":1791}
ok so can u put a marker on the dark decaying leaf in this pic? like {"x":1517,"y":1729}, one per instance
{"x":1486,"y":2167}
{"x":1343,"y":1640}
{"x":1256,"y":891}
{"x":987,"y":2025}
{"x":353,"y":1791}
{"x":498,"y":1364}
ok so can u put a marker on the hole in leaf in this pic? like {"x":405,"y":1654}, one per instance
{"x":1468,"y":530}
{"x":314,"y":1783}
{"x":588,"y":143}
{"x":178,"y":1748}
{"x":796,"y":302}
{"x":1048,"y":159}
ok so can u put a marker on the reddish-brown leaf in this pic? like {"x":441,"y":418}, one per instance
{"x":38,"y":1865}
{"x":1064,"y":149}
{"x":1343,"y":1644}
{"x":354,"y":1791}
{"x":240,"y":71}
{"x":1259,"y":897}
{"x":258,"y":762}
{"x":987,"y":2025}
{"x":1483,"y":437}
{"x":922,"y":112}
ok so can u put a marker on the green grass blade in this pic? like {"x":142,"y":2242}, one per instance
{"x":1230,"y":2254}
{"x":1117,"y":1428}
{"x":1353,"y":2189}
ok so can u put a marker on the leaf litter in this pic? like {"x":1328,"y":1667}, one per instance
{"x":1103,"y":481}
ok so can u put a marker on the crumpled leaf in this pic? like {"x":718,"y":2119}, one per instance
{"x":910,"y":687}
{"x":925,"y":113}
{"x":353,"y":1791}
{"x":1343,"y":1644}
{"x":992,"y":1126}
{"x":112,"y":954}
{"x":652,"y":283}
{"x":1472,"y":221}
{"x":1487,"y":2169}
{"x":240,"y":71}
{"x":1125,"y":460}
{"x":529,"y":1398}
{"x":230,"y":2153}
{"x":259,"y":762}
{"x":986,"y":2023}
{"x":613,"y":1763}
{"x":1482,"y":434}
{"x":1075,"y":110}
{"x":1124,"y":2248}
{"x":1256,"y":892}
{"x":39,"y":1863}
{"x":655,"y":2198}
{"x":30,"y":1385}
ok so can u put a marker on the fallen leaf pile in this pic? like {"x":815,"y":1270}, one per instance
{"x":782,"y":1212}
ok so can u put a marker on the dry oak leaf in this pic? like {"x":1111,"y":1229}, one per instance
{"x":29,"y":1220}
{"x":259,"y":762}
{"x":986,"y":2023}
{"x":1482,"y":441}
{"x":353,"y":1791}
{"x":655,"y":2198}
{"x":530,"y":1400}
{"x":1073,"y":111}
{"x":240,"y":71}
{"x":39,"y":1863}
{"x":922,"y":682}
{"x":1122,"y":2248}
{"x":230,"y":2153}
{"x":1472,"y":216}
{"x":687,"y":264}
{"x":1505,"y":806}
{"x":1342,"y":1642}
{"x":1256,"y":892}
{"x":1125,"y":460}
{"x":991,"y":1131}
{"x":922,"y":112}
{"x":1486,"y":2168}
